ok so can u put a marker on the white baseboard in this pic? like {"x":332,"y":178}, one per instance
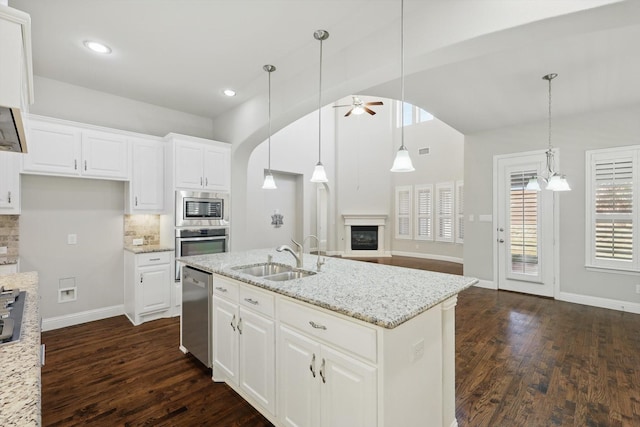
{"x":612,"y":304}
{"x":58,"y":322}
{"x":487,"y":284}
{"x":428,"y":256}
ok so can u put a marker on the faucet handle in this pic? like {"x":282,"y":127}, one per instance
{"x":297,"y":244}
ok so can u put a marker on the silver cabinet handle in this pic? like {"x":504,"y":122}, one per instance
{"x":251,"y":301}
{"x":136,"y":203}
{"x":9,"y":197}
{"x":317,"y":325}
{"x":75,"y":164}
{"x":240,"y":326}
{"x":141,"y":278}
{"x":232,"y":325}
{"x":206,"y":181}
{"x":312,"y":366}
{"x":322,"y":373}
{"x":201,"y":181}
{"x":154,"y":259}
{"x":500,"y":240}
{"x":85,"y":165}
{"x":221,"y":289}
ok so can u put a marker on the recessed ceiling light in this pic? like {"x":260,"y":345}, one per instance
{"x":97,"y":46}
{"x":229,"y":92}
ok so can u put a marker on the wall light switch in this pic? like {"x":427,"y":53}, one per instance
{"x":3,"y":250}
{"x":138,"y":242}
{"x":637,"y":289}
{"x":72,"y":239}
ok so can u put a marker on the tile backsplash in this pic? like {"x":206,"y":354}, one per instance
{"x":145,"y":227}
{"x":10,"y":234}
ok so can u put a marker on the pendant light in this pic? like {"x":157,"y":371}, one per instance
{"x":269,"y":182}
{"x":555,"y":180}
{"x":402,"y":162}
{"x":319,"y":174}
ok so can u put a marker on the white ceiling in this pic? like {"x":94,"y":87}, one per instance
{"x":475,"y":64}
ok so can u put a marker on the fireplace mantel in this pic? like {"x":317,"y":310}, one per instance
{"x":378,"y":220}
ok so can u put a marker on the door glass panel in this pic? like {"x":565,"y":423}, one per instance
{"x":523,"y":225}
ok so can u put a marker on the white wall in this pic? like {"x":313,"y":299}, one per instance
{"x":52,"y":208}
{"x":54,"y":98}
{"x":573,"y":136}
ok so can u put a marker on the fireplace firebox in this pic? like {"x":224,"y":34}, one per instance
{"x":364,"y":238}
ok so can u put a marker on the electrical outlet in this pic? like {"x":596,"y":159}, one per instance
{"x":138,"y":242}
{"x":637,"y":289}
{"x":3,"y":250}
{"x":72,"y":239}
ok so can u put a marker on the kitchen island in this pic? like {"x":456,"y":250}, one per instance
{"x":356,"y":344}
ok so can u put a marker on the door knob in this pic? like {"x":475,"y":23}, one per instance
{"x":500,"y":240}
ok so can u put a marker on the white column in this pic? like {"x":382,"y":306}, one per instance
{"x":449,"y":362}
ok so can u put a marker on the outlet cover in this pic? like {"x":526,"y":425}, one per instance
{"x":72,"y":239}
{"x":637,"y":289}
{"x":138,"y":242}
{"x":3,"y":250}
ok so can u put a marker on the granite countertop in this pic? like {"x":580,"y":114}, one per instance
{"x":4,"y":260}
{"x":145,"y":249}
{"x":380,"y":294}
{"x":20,"y":361}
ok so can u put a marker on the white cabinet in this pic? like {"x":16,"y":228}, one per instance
{"x":60,"y":149}
{"x":146,"y":191}
{"x":322,"y":386}
{"x":200,"y":165}
{"x":9,"y":183}
{"x":147,"y":293}
{"x":244,"y":340}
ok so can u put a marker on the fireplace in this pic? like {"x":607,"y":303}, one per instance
{"x":364,"y":237}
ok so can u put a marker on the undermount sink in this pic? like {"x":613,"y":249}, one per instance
{"x":273,"y":271}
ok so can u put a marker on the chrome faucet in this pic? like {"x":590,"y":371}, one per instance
{"x":320,"y":262}
{"x":296,"y":254}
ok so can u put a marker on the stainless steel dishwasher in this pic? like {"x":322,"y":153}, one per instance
{"x":197,"y":287}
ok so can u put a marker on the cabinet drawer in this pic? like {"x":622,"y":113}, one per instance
{"x":154,"y":258}
{"x":257,"y":300}
{"x":225,"y":288}
{"x":343,"y":333}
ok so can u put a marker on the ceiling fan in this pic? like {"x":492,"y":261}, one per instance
{"x":359,"y":107}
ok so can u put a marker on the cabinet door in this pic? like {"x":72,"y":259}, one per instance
{"x":216,"y":168}
{"x":147,"y":180}
{"x":257,"y":358}
{"x":348,"y":391}
{"x":298,"y":380}
{"x":189,"y":160}
{"x":53,"y":149}
{"x":154,"y":288}
{"x":9,"y":183}
{"x":225,"y":339}
{"x":104,"y":155}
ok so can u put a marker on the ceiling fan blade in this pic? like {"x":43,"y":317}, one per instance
{"x":374,"y":103}
{"x":349,"y":113}
{"x":369,"y":111}
{"x":346,"y":105}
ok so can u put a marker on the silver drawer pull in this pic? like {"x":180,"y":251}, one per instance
{"x":251,"y":301}
{"x":322,"y":372}
{"x":317,"y":326}
{"x":232,"y":324}
{"x":221,"y":289}
{"x":154,"y":259}
{"x":312,"y":366}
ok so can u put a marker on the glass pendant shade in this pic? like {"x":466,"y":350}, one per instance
{"x":402,"y":162}
{"x":558,"y":183}
{"x":357,"y":110}
{"x":319,"y":174}
{"x":269,"y":182}
{"x":533,"y":185}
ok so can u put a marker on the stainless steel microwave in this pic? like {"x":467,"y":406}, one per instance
{"x":198,"y":208}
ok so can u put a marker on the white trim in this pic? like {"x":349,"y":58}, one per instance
{"x":611,"y":304}
{"x":58,"y":322}
{"x":365,"y":254}
{"x":487,"y":284}
{"x":612,"y":270}
{"x":434,"y":257}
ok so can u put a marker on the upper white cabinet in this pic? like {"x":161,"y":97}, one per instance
{"x":60,"y":149}
{"x":146,"y":191}
{"x":201,"y":165}
{"x":16,"y":74}
{"x":9,"y":183}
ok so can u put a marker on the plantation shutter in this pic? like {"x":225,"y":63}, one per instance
{"x":459,"y":212}
{"x":444,"y":212}
{"x":523,"y":225}
{"x":424,"y":212}
{"x":403,"y":212}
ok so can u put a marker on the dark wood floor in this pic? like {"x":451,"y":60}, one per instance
{"x":520,"y":361}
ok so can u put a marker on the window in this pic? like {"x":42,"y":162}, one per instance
{"x":412,"y":114}
{"x":444,"y":212}
{"x":403,"y":212}
{"x":424,"y":212}
{"x":523,"y":225}
{"x":612,"y":213}
{"x":459,"y":212}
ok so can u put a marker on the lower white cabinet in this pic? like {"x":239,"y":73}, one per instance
{"x":244,"y":341}
{"x":148,"y":281}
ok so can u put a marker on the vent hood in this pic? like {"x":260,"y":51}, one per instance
{"x":12,"y":136}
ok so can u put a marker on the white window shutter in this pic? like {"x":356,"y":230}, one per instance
{"x":424,"y":212}
{"x":459,"y":212}
{"x":444,"y":212}
{"x":403,"y":212}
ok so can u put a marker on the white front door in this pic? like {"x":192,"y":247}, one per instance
{"x":525,"y":226}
